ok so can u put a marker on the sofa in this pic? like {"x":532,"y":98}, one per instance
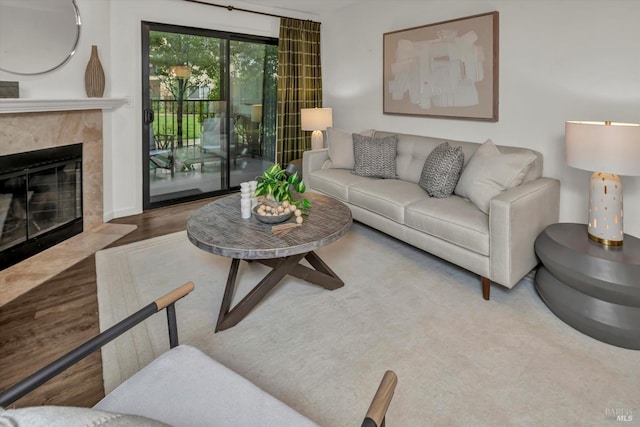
{"x":485,"y":206}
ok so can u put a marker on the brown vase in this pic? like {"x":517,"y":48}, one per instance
{"x":94,"y":75}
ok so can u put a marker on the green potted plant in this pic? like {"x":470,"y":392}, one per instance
{"x":277,"y":185}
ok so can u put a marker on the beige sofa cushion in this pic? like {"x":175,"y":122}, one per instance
{"x":387,"y":197}
{"x":453,"y":219}
{"x":335,"y":182}
{"x":489,"y":172}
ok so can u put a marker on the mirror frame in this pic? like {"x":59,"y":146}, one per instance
{"x":69,"y":55}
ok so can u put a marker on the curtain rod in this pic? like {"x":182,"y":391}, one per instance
{"x":231,"y":8}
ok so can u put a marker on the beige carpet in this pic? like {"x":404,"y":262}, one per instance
{"x":460,"y":360}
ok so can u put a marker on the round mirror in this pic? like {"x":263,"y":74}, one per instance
{"x":37,"y":36}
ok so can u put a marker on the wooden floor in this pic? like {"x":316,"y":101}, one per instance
{"x":60,"y":314}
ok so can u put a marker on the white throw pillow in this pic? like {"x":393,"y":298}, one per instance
{"x":67,"y":416}
{"x":490,"y":172}
{"x":340,"y":145}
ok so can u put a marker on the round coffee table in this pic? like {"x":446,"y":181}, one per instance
{"x":218,"y":228}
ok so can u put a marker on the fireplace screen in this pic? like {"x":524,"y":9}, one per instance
{"x":40,"y":201}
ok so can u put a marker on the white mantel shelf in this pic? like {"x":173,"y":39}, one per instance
{"x":27,"y":105}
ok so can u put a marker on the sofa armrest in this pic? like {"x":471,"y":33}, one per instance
{"x":517,"y":216}
{"x":312,"y":160}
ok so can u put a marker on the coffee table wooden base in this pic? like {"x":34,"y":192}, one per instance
{"x":320,"y":274}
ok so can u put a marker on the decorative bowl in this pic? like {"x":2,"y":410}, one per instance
{"x":271,"y":219}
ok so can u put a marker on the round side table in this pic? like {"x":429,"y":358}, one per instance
{"x":591,"y":287}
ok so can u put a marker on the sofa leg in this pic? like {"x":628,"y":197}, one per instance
{"x":486,"y":287}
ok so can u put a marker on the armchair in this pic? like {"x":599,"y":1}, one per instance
{"x":213,"y":140}
{"x":162,"y":151}
{"x":182,"y":387}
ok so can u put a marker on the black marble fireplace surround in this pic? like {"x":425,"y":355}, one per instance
{"x":40,"y":201}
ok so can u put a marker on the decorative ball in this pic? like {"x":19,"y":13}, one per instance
{"x":299,"y":219}
{"x":297,"y":212}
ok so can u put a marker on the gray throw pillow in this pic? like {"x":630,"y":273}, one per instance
{"x":375,"y":157}
{"x":441,"y":170}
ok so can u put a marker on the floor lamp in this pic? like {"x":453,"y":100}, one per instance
{"x":610,"y":149}
{"x":317,"y":120}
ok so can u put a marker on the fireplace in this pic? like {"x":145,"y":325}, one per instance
{"x":40,"y":201}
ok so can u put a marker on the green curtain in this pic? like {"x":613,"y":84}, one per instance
{"x":299,"y":84}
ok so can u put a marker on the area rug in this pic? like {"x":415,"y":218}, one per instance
{"x":460,"y":360}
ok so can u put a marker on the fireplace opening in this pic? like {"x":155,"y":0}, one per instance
{"x":40,"y":201}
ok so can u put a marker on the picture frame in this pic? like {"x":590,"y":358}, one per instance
{"x":447,"y":69}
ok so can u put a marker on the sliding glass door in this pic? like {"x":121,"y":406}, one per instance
{"x":209,"y":111}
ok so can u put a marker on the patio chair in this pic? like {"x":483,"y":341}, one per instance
{"x":161,"y":151}
{"x":182,"y":387}
{"x":213,"y":140}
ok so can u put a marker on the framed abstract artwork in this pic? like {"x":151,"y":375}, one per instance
{"x":448,"y":69}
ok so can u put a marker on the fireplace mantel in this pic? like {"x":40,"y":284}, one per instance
{"x":31,"y":105}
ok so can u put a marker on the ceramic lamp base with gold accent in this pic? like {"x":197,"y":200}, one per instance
{"x":605,"y":209}
{"x":317,"y":140}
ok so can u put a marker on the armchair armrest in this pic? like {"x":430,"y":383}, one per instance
{"x":380,"y":403}
{"x":59,"y":365}
{"x":312,"y":160}
{"x":165,"y":141}
{"x":516,"y":217}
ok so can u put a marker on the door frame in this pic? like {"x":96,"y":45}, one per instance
{"x":146,"y":28}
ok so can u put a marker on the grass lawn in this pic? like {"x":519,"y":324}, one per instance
{"x":168,"y":124}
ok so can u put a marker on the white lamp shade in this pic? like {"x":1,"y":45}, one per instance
{"x":316,"y":118}
{"x":603,"y":146}
{"x":181,"y":71}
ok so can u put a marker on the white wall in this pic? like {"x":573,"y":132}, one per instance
{"x":559,"y":60}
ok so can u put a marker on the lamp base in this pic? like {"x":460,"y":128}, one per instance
{"x":317,"y":140}
{"x":605,"y":209}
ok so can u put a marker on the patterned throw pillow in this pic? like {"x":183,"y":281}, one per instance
{"x":375,"y":157}
{"x":441,"y":170}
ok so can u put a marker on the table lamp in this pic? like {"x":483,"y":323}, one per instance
{"x":317,"y":120}
{"x":609,"y":149}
